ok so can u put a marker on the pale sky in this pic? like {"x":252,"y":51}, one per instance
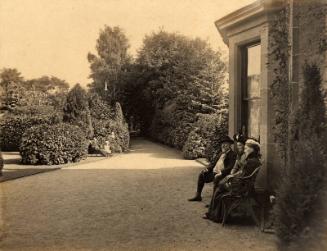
{"x":53,"y":37}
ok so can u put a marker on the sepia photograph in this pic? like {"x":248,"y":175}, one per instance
{"x":163,"y":125}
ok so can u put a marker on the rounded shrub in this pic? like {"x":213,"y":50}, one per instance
{"x":203,"y":140}
{"x":194,"y":146}
{"x":119,"y":138}
{"x":220,"y":129}
{"x":53,"y":145}
{"x":33,"y":110}
{"x":109,"y":125}
{"x":12,"y":128}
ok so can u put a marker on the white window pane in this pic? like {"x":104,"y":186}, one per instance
{"x":253,"y":86}
{"x":253,"y":71}
{"x":254,"y":60}
{"x":254,"y":118}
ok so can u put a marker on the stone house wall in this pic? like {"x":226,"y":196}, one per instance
{"x":311,"y":40}
{"x":305,"y":23}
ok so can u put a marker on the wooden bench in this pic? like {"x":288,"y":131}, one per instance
{"x":242,"y":194}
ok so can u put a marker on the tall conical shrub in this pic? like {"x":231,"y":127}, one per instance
{"x":301,"y":190}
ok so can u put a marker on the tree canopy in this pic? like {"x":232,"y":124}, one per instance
{"x":11,"y":88}
{"x":76,"y":110}
{"x":172,"y":80}
{"x":18,"y":93}
{"x":109,"y":63}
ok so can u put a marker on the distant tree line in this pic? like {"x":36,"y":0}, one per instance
{"x":48,"y":123}
{"x":17,"y":93}
{"x":164,"y":90}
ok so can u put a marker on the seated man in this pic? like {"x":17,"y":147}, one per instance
{"x":218,"y":171}
{"x":239,"y":139}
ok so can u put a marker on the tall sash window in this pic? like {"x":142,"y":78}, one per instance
{"x":251,"y":70}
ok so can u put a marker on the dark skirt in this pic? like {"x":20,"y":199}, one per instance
{"x":215,"y":212}
{"x":219,"y":200}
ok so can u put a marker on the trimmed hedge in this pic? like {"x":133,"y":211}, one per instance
{"x":76,"y":110}
{"x":33,"y":110}
{"x":53,"y":145}
{"x":109,"y":124}
{"x":171,"y":126}
{"x":220,"y":129}
{"x":119,"y":138}
{"x":12,"y":128}
{"x":203,"y":140}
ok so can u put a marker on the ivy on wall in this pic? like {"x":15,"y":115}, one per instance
{"x":279,"y":55}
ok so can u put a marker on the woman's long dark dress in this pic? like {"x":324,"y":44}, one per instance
{"x":244,"y":167}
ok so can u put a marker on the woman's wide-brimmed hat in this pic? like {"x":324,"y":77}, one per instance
{"x":253,"y":144}
{"x":226,"y":139}
{"x":238,"y":137}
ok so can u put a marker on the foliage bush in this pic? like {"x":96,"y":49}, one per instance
{"x":109,"y":124}
{"x":177,"y":78}
{"x":120,"y":128}
{"x":18,"y":94}
{"x":205,"y":135}
{"x":220,"y":129}
{"x":76,"y":110}
{"x":171,"y":125}
{"x":33,"y":110}
{"x":53,"y":145}
{"x":12,"y":127}
{"x":304,"y":181}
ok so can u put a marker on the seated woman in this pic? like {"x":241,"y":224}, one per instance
{"x":243,"y":167}
{"x":239,"y":139}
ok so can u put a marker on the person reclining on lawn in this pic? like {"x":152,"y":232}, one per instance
{"x":215,"y":173}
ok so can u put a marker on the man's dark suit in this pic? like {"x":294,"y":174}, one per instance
{"x":208,"y":175}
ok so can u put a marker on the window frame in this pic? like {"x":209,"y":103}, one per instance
{"x":244,"y":86}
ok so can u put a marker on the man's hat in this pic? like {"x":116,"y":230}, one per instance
{"x":238,"y":137}
{"x":226,"y":139}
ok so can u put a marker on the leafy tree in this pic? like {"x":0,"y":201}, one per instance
{"x":46,"y":91}
{"x":47,"y":85}
{"x":11,"y":86}
{"x":182,"y":67}
{"x":178,"y":78}
{"x":76,"y":110}
{"x":109,"y":63}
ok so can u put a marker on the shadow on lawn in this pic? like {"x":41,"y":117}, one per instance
{"x":13,"y":174}
{"x":10,"y":153}
{"x":16,"y":161}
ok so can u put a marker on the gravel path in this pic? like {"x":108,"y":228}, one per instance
{"x":134,"y":201}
